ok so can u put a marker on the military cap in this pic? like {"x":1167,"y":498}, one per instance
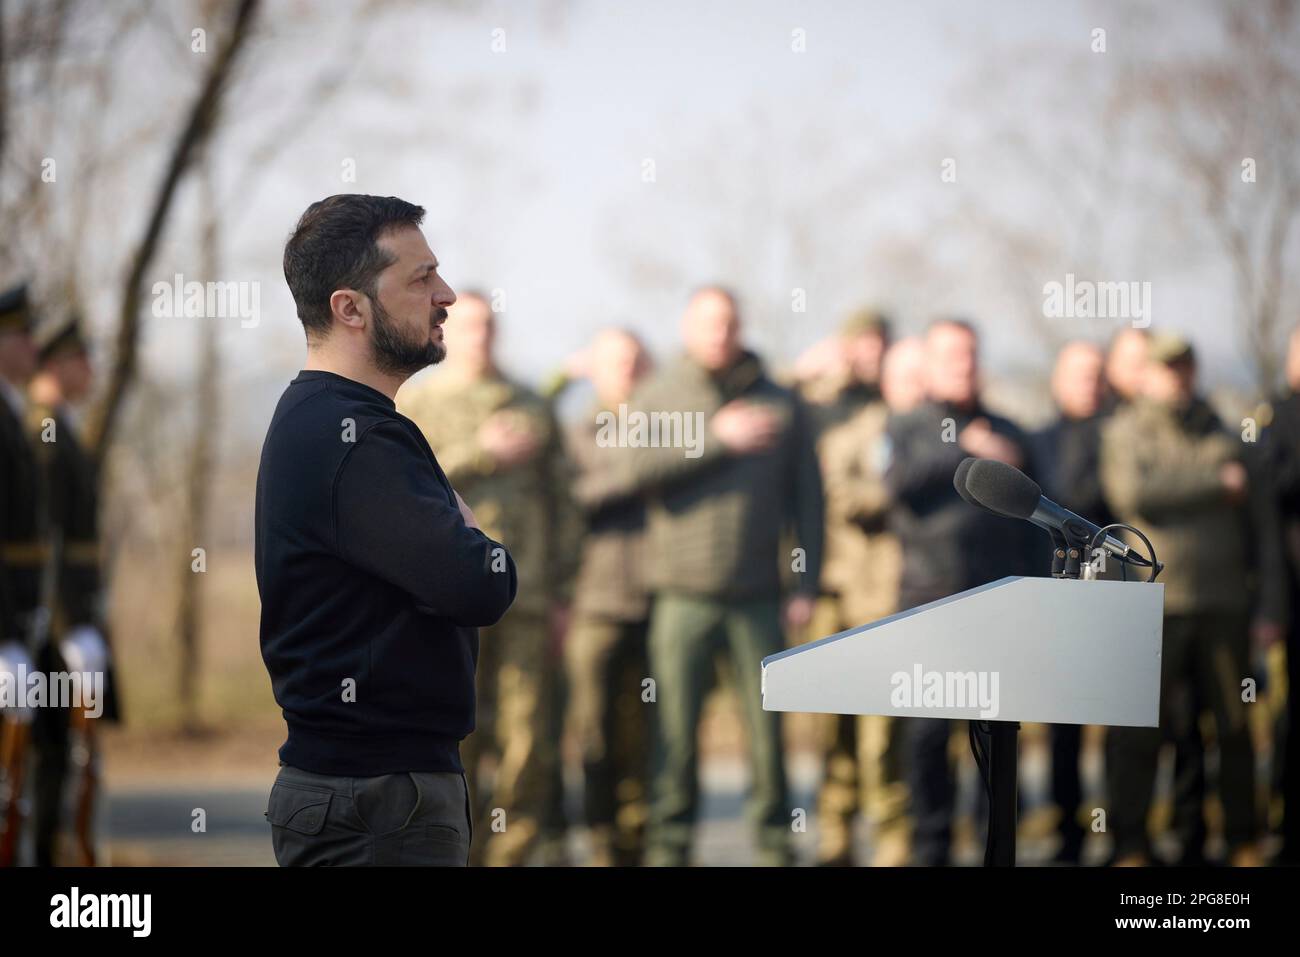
{"x":865,"y":320}
{"x":54,"y":338}
{"x":1170,"y":348}
{"x":15,"y":309}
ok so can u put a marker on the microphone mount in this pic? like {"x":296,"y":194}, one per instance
{"x":1005,"y":490}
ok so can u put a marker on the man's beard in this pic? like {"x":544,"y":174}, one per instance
{"x":396,"y":356}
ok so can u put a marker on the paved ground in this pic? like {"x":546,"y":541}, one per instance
{"x":150,"y":821}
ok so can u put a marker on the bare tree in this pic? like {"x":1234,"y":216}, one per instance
{"x":1226,"y":125}
{"x":158,"y":429}
{"x":199,"y":467}
{"x":4,"y":87}
{"x":198,"y":126}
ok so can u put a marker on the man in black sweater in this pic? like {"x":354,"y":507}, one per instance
{"x":373,"y":573}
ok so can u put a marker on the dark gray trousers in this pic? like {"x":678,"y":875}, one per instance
{"x":412,"y":819}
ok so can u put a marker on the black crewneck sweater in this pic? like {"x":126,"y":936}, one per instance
{"x":373,"y":587}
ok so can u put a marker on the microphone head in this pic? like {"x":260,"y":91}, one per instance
{"x":959,"y":480}
{"x":1002,"y":488}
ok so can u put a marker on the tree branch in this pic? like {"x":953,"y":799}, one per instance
{"x":198,"y":126}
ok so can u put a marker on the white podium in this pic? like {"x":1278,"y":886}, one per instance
{"x":1064,"y":651}
{"x":1051,"y":650}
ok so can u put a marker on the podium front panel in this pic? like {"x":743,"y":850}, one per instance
{"x":1060,"y":651}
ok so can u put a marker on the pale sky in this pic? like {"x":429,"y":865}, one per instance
{"x":530,"y":162}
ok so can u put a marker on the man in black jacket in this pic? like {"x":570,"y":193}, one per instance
{"x":373,"y":573}
{"x":1067,"y":455}
{"x":948,"y":545}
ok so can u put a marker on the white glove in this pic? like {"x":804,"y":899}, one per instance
{"x":83,"y":649}
{"x":13,"y":686}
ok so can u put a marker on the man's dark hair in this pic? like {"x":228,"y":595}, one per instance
{"x":334,"y":246}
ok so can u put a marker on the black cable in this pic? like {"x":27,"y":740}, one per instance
{"x":981,"y":758}
{"x":1155,"y":565}
{"x":986,"y":778}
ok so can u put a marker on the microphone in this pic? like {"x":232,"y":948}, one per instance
{"x":959,"y":480}
{"x":959,"y":483}
{"x":1006,"y":490}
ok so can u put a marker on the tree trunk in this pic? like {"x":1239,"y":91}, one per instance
{"x":199,"y":474}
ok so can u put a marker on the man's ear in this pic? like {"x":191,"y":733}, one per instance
{"x":345,"y":306}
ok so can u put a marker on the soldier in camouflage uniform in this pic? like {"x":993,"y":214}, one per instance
{"x":78,"y":629}
{"x":1282,"y":446}
{"x":859,"y":585}
{"x":606,"y":653}
{"x":502,"y":449}
{"x":1169,"y":467}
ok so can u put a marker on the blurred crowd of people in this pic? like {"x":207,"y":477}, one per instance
{"x":820,"y":500}
{"x":815,"y":501}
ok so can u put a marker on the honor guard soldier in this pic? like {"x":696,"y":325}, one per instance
{"x":22,"y":562}
{"x":66,"y":741}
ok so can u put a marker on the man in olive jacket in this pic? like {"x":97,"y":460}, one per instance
{"x":1169,"y":467}
{"x":1282,"y":444}
{"x":734,"y":467}
{"x":605,"y":653}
